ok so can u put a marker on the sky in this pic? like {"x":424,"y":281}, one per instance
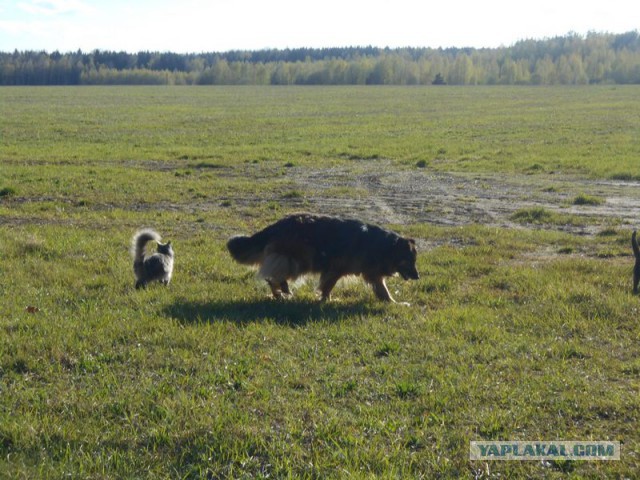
{"x":195,"y":26}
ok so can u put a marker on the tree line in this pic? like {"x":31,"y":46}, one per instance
{"x":573,"y":59}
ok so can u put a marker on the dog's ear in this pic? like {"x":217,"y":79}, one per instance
{"x":411,"y":243}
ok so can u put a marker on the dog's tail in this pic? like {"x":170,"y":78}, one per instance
{"x":139,"y":241}
{"x":634,"y":245}
{"x":248,"y":250}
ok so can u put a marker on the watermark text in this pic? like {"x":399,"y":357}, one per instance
{"x":552,"y":450}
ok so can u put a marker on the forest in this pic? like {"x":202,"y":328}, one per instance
{"x":573,"y":59}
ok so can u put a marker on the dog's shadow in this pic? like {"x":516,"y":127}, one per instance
{"x":290,"y":312}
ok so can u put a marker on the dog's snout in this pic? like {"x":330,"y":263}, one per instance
{"x":411,"y":274}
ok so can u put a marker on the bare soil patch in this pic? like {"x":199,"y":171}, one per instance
{"x":451,"y":199}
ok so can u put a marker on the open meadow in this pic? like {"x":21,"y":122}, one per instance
{"x":522,"y":326}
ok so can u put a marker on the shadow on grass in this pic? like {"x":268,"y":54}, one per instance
{"x":285,"y":312}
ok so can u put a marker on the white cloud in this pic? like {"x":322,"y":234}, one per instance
{"x":218,"y":25}
{"x":54,"y":7}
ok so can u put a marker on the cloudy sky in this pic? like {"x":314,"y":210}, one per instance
{"x":220,"y":25}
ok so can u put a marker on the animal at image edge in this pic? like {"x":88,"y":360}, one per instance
{"x":333,"y":247}
{"x":157,"y":266}
{"x":636,"y":268}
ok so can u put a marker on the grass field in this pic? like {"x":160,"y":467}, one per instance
{"x":522,"y":326}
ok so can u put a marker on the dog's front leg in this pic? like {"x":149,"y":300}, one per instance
{"x":381,"y":290}
{"x":328,"y":280}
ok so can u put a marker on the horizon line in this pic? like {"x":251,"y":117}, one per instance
{"x":570,"y":34}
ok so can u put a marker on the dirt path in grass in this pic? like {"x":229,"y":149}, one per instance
{"x":419,"y":196}
{"x":381,"y":193}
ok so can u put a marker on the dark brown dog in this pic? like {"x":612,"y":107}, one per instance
{"x":636,"y":268}
{"x":333,"y":247}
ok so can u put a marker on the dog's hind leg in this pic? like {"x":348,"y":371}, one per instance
{"x":279,"y":289}
{"x":276,"y":291}
{"x":276,"y":269}
{"x":636,"y":268}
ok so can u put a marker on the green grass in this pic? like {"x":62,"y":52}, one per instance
{"x":585,"y":199}
{"x":543,"y":216}
{"x":589,"y":131}
{"x":534,"y":215}
{"x":513,"y":333}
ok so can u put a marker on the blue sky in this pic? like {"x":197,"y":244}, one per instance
{"x":220,"y":25}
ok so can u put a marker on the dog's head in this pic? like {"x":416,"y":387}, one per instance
{"x":404,"y":257}
{"x":165,"y":249}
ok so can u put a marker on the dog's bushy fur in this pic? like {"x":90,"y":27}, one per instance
{"x":636,"y":268}
{"x":333,"y":247}
{"x":158,"y":266}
